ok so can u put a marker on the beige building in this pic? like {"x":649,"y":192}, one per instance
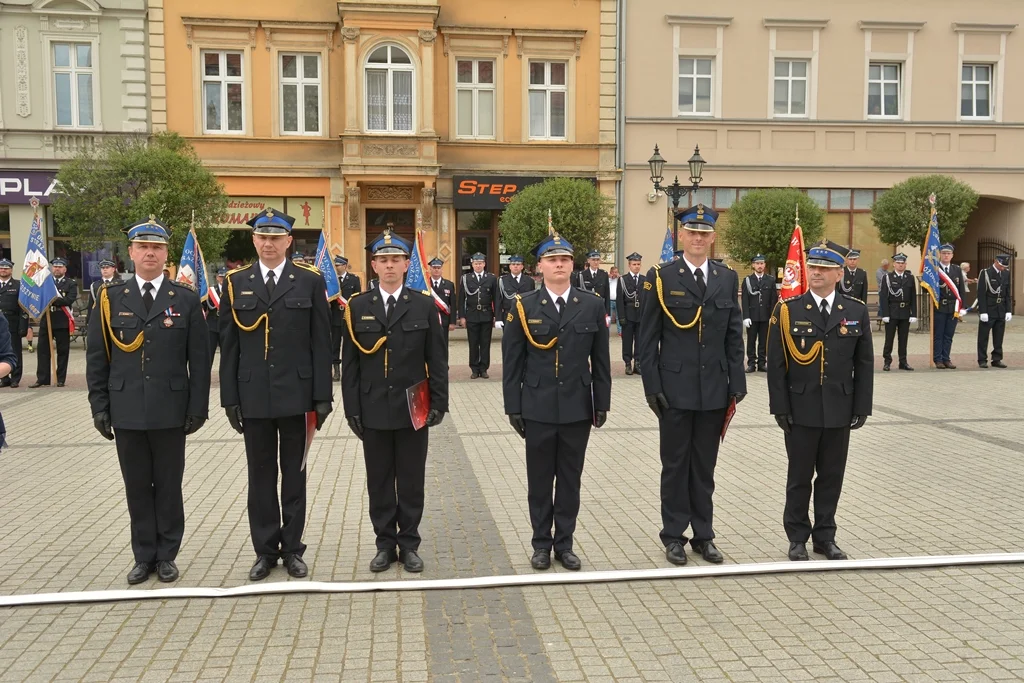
{"x":841,"y":99}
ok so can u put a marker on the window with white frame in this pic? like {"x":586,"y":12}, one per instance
{"x":223,"y":82}
{"x":976,"y":91}
{"x":695,"y":85}
{"x":791,"y":87}
{"x":474,"y":98}
{"x":389,"y":90}
{"x":547,"y":96}
{"x":884,"y":89}
{"x":73,"y":84}
{"x":300,"y":93}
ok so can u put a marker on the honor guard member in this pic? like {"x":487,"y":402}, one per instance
{"x":148,"y":371}
{"x":557,"y":383}
{"x":394,"y":343}
{"x":512,"y":283}
{"x":995,"y":303}
{"x":855,"y":280}
{"x":275,"y":366}
{"x":594,"y":279}
{"x":213,"y":313}
{"x":629,"y":305}
{"x":17,"y":319}
{"x":691,"y":352}
{"x":758,"y":295}
{"x":897,"y":301}
{"x":349,"y":286}
{"x":948,"y":312}
{"x":298,"y":256}
{"x":445,"y":291}
{"x":108,"y":274}
{"x":60,"y":319}
{"x":820,"y":379}
{"x":478,"y":301}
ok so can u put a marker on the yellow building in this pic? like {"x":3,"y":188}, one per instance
{"x":355,"y":115}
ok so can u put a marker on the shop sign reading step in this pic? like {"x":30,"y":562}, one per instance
{"x":490,"y":193}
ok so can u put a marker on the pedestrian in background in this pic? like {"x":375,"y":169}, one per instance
{"x":613,"y":296}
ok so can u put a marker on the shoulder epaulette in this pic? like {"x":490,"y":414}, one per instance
{"x":596,"y":294}
{"x":426,"y":294}
{"x":238,"y":269}
{"x":720,"y":263}
{"x":853,"y":298}
{"x":183,"y":284}
{"x":308,"y":267}
{"x":792,"y":298}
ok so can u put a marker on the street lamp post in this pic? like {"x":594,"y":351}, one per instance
{"x":675,"y":191}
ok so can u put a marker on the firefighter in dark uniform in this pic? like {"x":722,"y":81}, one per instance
{"x":60,"y":319}
{"x":108,"y":274}
{"x":148,"y":372}
{"x":758,"y":295}
{"x":995,"y":306}
{"x":630,"y":300}
{"x":275,"y":367}
{"x":691,"y":352}
{"x":17,"y":319}
{"x":897,"y":299}
{"x":213,"y":313}
{"x":394,"y":343}
{"x":820,"y":379}
{"x":445,"y":291}
{"x":855,"y":280}
{"x":349,"y":286}
{"x":557,"y":384}
{"x":948,"y":312}
{"x":478,"y":301}
{"x":595,"y":279}
{"x":512,"y":283}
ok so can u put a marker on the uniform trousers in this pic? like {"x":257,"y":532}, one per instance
{"x":810,"y":450}
{"x":479,"y":345}
{"x":396,"y":465}
{"x":997,"y":326}
{"x":214,"y":345}
{"x":15,"y":326}
{"x":337,"y":334}
{"x":152,"y":466}
{"x":757,"y":339}
{"x":630,"y":341}
{"x":689,"y":453}
{"x":61,"y":340}
{"x":945,"y":328}
{"x":554,"y":468}
{"x":891,"y":328}
{"x":276,"y":529}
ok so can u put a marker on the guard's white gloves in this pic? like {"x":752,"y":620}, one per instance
{"x":1009,"y":316}
{"x":913,"y":320}
{"x":885,"y":320}
{"x":746,"y":322}
{"x":498,"y":324}
{"x":607,"y":321}
{"x":983,"y":317}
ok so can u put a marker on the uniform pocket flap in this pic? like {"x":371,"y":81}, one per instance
{"x":125,"y":322}
{"x":365,"y":386}
{"x":848,"y":388}
{"x":797,"y":387}
{"x":671,"y":365}
{"x":178,"y":383}
{"x":246,"y":303}
{"x":373,"y":326}
{"x":413,"y":325}
{"x":305,"y":372}
{"x":725,"y":303}
{"x":116,"y":383}
{"x":539,"y":329}
{"x":680,"y":302}
{"x":532,"y":381}
{"x":243,"y":375}
{"x":586,"y":379}
{"x":807,"y":330}
{"x":584,"y":328}
{"x":296,"y":302}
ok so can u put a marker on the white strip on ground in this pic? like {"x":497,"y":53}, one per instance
{"x":512,"y":580}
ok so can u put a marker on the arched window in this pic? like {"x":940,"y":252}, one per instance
{"x":389,"y":90}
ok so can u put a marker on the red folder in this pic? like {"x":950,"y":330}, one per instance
{"x":418,"y":396}
{"x":729,"y":413}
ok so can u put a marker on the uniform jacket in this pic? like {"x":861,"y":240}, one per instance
{"x":446,"y":291}
{"x":630,"y":297}
{"x":374,"y":385}
{"x":285,"y":372}
{"x":571,"y":380}
{"x":508,"y":288}
{"x":696,"y":368}
{"x":758,"y":297}
{"x":6,"y":347}
{"x":995,"y":293}
{"x":854,"y":284}
{"x":168,"y":376}
{"x":897,"y":298}
{"x":350,"y":286}
{"x":67,"y":290}
{"x":947,"y":299}
{"x":94,"y":289}
{"x":816,"y":395}
{"x":596,"y":283}
{"x":17,"y":318}
{"x":478,"y":300}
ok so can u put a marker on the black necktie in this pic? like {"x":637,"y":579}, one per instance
{"x":701,"y":285}
{"x":147,"y":296}
{"x":824,"y":310}
{"x":636,"y":281}
{"x":560,"y":305}
{"x":270,"y":283}
{"x":390,"y":308}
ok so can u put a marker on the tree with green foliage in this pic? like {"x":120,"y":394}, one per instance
{"x":762,"y":222}
{"x":902,"y":212}
{"x":579,"y":212}
{"x":129,"y":178}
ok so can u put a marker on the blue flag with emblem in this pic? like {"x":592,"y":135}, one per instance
{"x":667,"y":250}
{"x":38,"y":290}
{"x":325,"y":264}
{"x":932,"y":273}
{"x":416,"y":277}
{"x":192,"y":266}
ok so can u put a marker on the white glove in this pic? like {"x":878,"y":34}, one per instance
{"x":1009,"y":316}
{"x":913,"y":320}
{"x":607,"y":321}
{"x":747,"y":322}
{"x":983,"y":317}
{"x":964,"y":312}
{"x":885,"y":320}
{"x":498,"y":324}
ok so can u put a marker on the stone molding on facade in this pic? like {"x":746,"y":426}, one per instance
{"x":354,"y":195}
{"x":389,"y":193}
{"x":21,"y":73}
{"x":386,"y":149}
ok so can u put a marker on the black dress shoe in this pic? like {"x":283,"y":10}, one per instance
{"x":998,"y":364}
{"x":629,"y":368}
{"x":750,"y":369}
{"x":950,"y":366}
{"x":708,"y":551}
{"x":762,"y":368}
{"x":411,"y":562}
{"x":382,"y":561}
{"x":13,"y":385}
{"x":140,"y":572}
{"x":60,"y":384}
{"x":636,"y":368}
{"x":475,"y":375}
{"x":676,"y":553}
{"x":569,"y":560}
{"x":940,"y":365}
{"x":904,"y":366}
{"x":5,"y":383}
{"x":982,"y":363}
{"x":37,"y":385}
{"x":830,"y":550}
{"x":261,"y":569}
{"x":798,"y":552}
{"x":297,"y":569}
{"x":166,"y":571}
{"x":885,"y":367}
{"x":541,"y":559}
{"x":484,"y":374}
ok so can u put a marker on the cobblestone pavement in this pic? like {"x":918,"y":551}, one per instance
{"x":936,"y":470}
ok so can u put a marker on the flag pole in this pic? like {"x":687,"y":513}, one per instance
{"x":49,"y":326}
{"x":932,"y":310}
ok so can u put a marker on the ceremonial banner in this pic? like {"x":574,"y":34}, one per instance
{"x":932,"y":273}
{"x":325,"y":263}
{"x":794,"y":279}
{"x":192,"y":268}
{"x":667,"y":248}
{"x":38,"y":289}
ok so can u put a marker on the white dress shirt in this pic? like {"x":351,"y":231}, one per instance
{"x":554,"y":297}
{"x":830,"y":299}
{"x":693,"y":269}
{"x":277,"y":271}
{"x":157,"y":281}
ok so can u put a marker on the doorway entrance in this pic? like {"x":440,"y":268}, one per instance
{"x":402,"y":222}
{"x":469,"y":244}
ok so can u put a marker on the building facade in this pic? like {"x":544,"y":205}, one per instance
{"x":72,"y":73}
{"x":353,"y":116}
{"x":842,"y":100}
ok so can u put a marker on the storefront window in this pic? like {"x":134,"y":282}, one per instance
{"x":872,"y":249}
{"x":5,"y":232}
{"x":473,"y":220}
{"x":59,"y":244}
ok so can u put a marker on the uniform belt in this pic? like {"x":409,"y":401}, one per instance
{"x":999,"y":299}
{"x":944,"y":302}
{"x":903,"y":304}
{"x":479,"y":307}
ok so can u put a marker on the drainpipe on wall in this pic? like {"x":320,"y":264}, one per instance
{"x":620,"y":130}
